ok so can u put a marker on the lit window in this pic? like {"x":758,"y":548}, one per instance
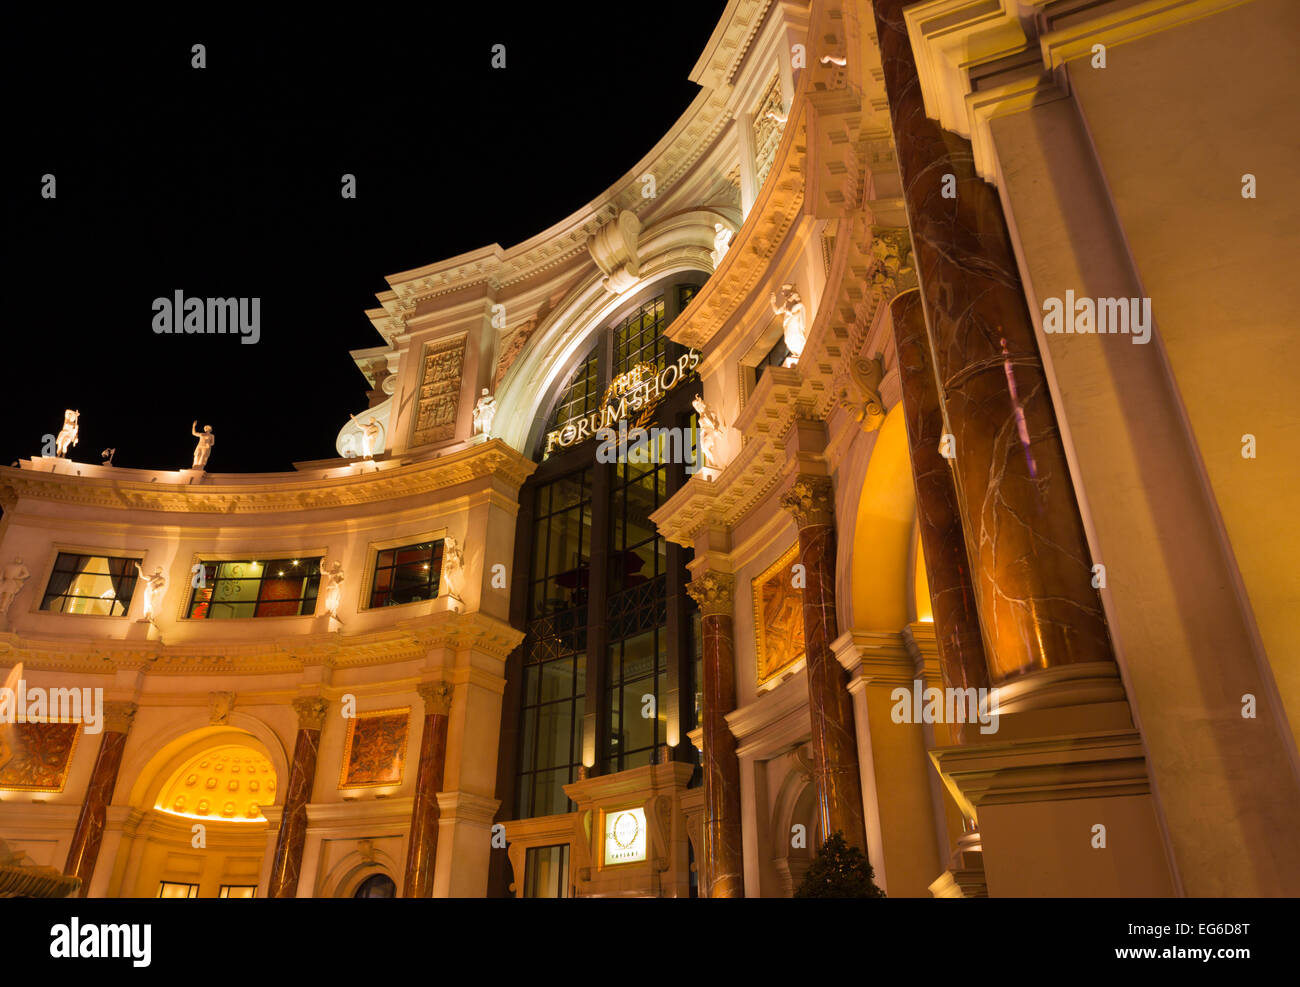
{"x":238,"y":891}
{"x":407,"y":574}
{"x":546,"y":871}
{"x":91,"y":584}
{"x":174,"y":889}
{"x":266,"y":588}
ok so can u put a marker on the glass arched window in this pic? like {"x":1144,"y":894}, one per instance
{"x":376,"y":886}
{"x":608,"y":650}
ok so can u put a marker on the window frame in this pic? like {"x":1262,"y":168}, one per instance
{"x":673,"y":685}
{"x":58,"y":549}
{"x":222,"y":558}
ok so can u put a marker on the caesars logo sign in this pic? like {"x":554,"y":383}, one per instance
{"x":635,"y":392}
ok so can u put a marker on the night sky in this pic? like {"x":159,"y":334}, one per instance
{"x":225,"y":182}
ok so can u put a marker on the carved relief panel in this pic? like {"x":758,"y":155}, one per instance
{"x":441,"y":369}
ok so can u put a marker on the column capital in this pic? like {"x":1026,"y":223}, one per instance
{"x":119,"y":715}
{"x":714,"y":591}
{"x":810,"y":499}
{"x":311,"y":712}
{"x":436,"y":696}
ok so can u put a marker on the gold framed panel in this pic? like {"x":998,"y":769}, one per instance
{"x":39,"y":756}
{"x":374,"y":753}
{"x":778,"y":617}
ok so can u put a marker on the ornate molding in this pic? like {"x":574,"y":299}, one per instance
{"x":311,"y":712}
{"x":103,"y":488}
{"x":614,"y":249}
{"x":811,"y":500}
{"x":714,"y":592}
{"x":437,"y":697}
{"x":119,"y":715}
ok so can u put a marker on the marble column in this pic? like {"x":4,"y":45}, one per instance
{"x":947,"y":568}
{"x":89,"y":834}
{"x":724,"y":865}
{"x":1032,"y":572}
{"x":293,"y":819}
{"x":830,"y":707}
{"x":422,"y":844}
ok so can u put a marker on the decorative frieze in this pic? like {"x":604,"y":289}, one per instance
{"x":442,"y":367}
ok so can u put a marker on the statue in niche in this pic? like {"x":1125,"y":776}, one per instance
{"x":369,"y":437}
{"x":787,"y":304}
{"x":453,"y":567}
{"x":12,"y":578}
{"x":154,"y":585}
{"x":67,"y":436}
{"x":485,"y":411}
{"x":331,"y":574}
{"x":204,"y":449}
{"x":710,"y":430}
{"x":721,"y":242}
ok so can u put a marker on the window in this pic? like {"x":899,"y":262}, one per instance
{"x":174,"y":889}
{"x":581,"y":395}
{"x":639,"y":339}
{"x":275,"y":588}
{"x":376,"y":886}
{"x":637,"y":609}
{"x":238,"y":891}
{"x":598,"y":644}
{"x":91,"y":584}
{"x":407,"y":574}
{"x":546,"y":871}
{"x":775,"y":358}
{"x":555,"y":645}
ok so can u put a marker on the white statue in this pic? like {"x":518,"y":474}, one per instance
{"x":12,"y":578}
{"x":332,"y":575}
{"x":710,"y":430}
{"x":204,"y":449}
{"x":839,"y":60}
{"x":153,"y":590}
{"x":789,"y":305}
{"x":721,"y":242}
{"x":453,"y":567}
{"x":779,"y":117}
{"x":107,"y":455}
{"x":484,"y":412}
{"x":369,"y":437}
{"x":67,"y":436}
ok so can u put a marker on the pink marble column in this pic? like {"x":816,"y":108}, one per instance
{"x":89,"y":834}
{"x":938,"y":516}
{"x":1032,"y":571}
{"x":293,"y":821}
{"x":422,"y":844}
{"x":724,"y":865}
{"x":830,"y":707}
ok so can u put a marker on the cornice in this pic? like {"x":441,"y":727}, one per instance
{"x":408,"y":641}
{"x":260,"y":495}
{"x":960,"y":44}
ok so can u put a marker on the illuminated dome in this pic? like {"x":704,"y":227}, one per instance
{"x":231,"y":783}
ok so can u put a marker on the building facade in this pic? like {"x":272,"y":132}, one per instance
{"x":857,"y":463}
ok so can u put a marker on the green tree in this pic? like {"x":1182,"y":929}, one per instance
{"x":840,"y":871}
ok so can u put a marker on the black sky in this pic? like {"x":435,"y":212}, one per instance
{"x":225,"y":182}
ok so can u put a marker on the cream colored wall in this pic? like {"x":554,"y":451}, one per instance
{"x":1177,"y":118}
{"x":1224,"y":785}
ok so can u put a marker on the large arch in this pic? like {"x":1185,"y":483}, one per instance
{"x":678,"y":245}
{"x":878,"y":554}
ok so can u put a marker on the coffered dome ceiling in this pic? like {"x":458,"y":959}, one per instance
{"x":231,"y":783}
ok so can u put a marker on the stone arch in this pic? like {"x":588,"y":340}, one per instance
{"x":172,"y":744}
{"x":795,"y":804}
{"x":349,"y":872}
{"x":877,"y":546}
{"x":679,"y":245}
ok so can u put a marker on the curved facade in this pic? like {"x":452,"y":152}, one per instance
{"x":764,"y":498}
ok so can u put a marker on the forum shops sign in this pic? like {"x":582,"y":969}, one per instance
{"x":632,"y":394}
